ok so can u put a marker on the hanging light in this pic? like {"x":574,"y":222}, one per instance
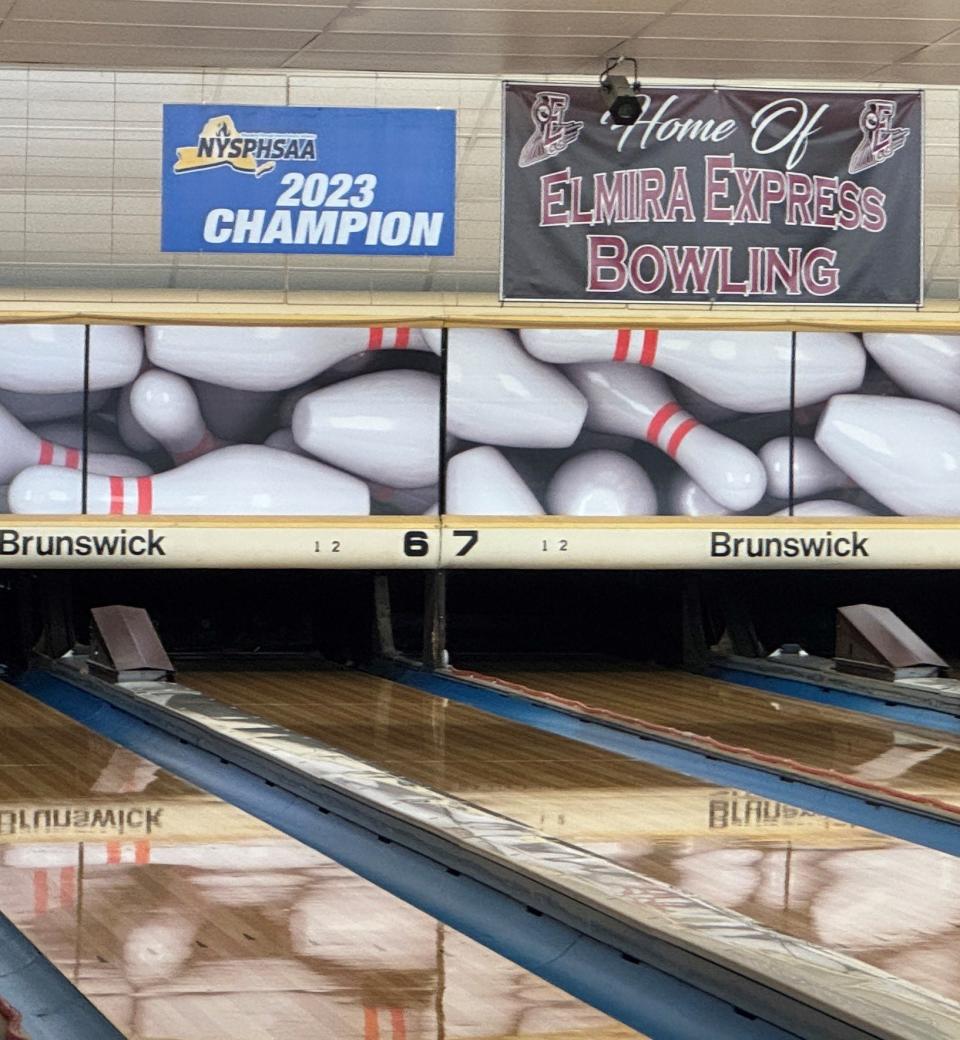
{"x":619,"y":94}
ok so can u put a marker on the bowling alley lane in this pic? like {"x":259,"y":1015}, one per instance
{"x":916,"y":761}
{"x":183,"y":918}
{"x":872,"y":897}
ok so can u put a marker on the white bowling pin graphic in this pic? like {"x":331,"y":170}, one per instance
{"x":384,"y":426}
{"x":236,"y":415}
{"x":264,"y":358}
{"x":636,"y":402}
{"x":905,"y":453}
{"x":70,"y":435}
{"x":498,"y":394}
{"x":283,"y":439}
{"x":823,"y":507}
{"x":685,"y":497}
{"x":131,"y":432}
{"x":244,"y":479}
{"x":924,"y":365}
{"x":746,"y":371}
{"x":813,"y":472}
{"x":48,"y":359}
{"x":601,"y":483}
{"x":166,"y":407}
{"x":481,"y":482}
{"x":19,"y":448}
{"x":31,"y":408}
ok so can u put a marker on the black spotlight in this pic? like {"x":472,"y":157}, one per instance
{"x":620,"y":95}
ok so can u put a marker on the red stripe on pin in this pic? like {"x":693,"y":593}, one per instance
{"x":40,"y":895}
{"x":660,"y":420}
{"x":68,"y":886}
{"x":116,"y":496}
{"x":399,"y":1024}
{"x":678,"y":434}
{"x":46,"y":453}
{"x":648,"y":353}
{"x":375,"y":342}
{"x":144,"y":495}
{"x":141,"y":852}
{"x":622,"y":348}
{"x":371,"y":1027}
{"x":402,"y":338}
{"x":114,"y":850}
{"x":73,"y":459}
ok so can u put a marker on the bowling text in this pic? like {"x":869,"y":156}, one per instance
{"x":724,"y":545}
{"x":70,"y":820}
{"x":732,"y":195}
{"x":15,"y":543}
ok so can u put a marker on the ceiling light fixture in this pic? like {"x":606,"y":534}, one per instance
{"x":619,"y":94}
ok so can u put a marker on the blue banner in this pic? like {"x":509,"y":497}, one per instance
{"x":252,"y":179}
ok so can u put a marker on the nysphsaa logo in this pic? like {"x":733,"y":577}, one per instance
{"x":221,"y":143}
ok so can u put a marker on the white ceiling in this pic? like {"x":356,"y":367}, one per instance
{"x":856,"y":40}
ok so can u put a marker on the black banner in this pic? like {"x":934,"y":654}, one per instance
{"x":735,"y":196}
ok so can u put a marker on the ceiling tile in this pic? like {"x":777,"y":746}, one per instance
{"x":233,"y":14}
{"x":428,"y":45}
{"x":139,"y":36}
{"x":868,"y":9}
{"x":787,"y":29}
{"x":123,"y":57}
{"x":499,"y":21}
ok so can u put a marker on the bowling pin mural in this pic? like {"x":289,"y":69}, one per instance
{"x":601,"y":483}
{"x":203,"y":387}
{"x":481,"y":482}
{"x":905,"y":453}
{"x":521,"y":411}
{"x":823,"y":507}
{"x":265,"y":358}
{"x":236,"y":415}
{"x":813,"y":472}
{"x":165,"y":406}
{"x":34,"y":408}
{"x":744,"y":371}
{"x":637,"y":402}
{"x":244,"y":479}
{"x":19,"y":449}
{"x":498,"y":394}
{"x":283,"y":439}
{"x":685,"y":497}
{"x":383,"y":426}
{"x":70,"y":435}
{"x":924,"y":366}
{"x":49,"y":359}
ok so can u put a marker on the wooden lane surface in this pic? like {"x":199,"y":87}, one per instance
{"x":917,"y":761}
{"x":183,"y":918}
{"x":884,"y":901}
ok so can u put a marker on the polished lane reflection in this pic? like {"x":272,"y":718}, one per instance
{"x":911,"y":759}
{"x":884,"y":901}
{"x":180,"y":916}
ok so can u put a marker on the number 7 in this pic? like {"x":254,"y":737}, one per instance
{"x":472,"y":538}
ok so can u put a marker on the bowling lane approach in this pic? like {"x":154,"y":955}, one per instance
{"x":921,"y":763}
{"x":182,"y":918}
{"x":872,"y":897}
